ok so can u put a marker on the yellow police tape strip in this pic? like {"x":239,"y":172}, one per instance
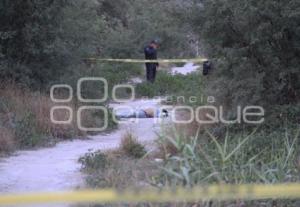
{"x":213,"y":192}
{"x":194,"y":60}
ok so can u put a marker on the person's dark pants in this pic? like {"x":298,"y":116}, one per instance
{"x":151,"y":72}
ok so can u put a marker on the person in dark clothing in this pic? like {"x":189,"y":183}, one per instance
{"x":151,"y":54}
{"x":206,"y":67}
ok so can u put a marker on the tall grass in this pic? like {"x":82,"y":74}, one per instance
{"x":25,"y":119}
{"x":236,"y":159}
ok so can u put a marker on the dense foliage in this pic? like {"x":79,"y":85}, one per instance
{"x":40,"y":39}
{"x":256,"y":51}
{"x":46,"y":41}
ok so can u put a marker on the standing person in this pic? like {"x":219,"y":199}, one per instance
{"x":151,"y":54}
{"x":206,"y":67}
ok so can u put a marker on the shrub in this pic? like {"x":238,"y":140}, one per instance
{"x":131,"y":147}
{"x":94,"y":161}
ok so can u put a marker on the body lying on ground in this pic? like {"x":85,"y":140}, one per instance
{"x":141,"y":113}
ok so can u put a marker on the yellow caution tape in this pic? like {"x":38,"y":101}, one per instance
{"x":213,"y":192}
{"x":194,"y":60}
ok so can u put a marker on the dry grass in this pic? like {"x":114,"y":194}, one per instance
{"x":17,"y":103}
{"x":190,"y":129}
{"x":131,"y":147}
{"x":114,"y":170}
{"x":120,"y":168}
{"x":7,"y":140}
